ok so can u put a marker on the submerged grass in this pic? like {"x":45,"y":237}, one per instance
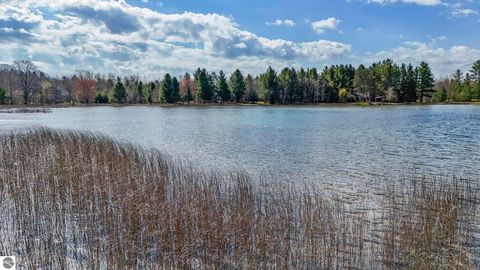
{"x":79,"y":200}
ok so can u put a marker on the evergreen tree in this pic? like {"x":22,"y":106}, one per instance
{"x":101,"y":98}
{"x":203,"y":82}
{"x":167,"y":89}
{"x":270,"y":85}
{"x":475,"y":70}
{"x":363,"y":82}
{"x":119,"y":92}
{"x":457,"y":85}
{"x":441,"y":95}
{"x":188,"y":96}
{"x":336,"y":78}
{"x":222,"y":88}
{"x":237,"y":84}
{"x":312,"y":86}
{"x":467,"y":90}
{"x":148,"y":92}
{"x":140,"y":92}
{"x":425,"y":81}
{"x":175,"y":90}
{"x":3,"y":96}
{"x":408,"y":83}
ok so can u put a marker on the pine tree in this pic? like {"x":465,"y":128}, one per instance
{"x":270,"y":85}
{"x":167,"y":89}
{"x":475,"y":70}
{"x":467,"y":91}
{"x":409,"y":85}
{"x":425,"y":80}
{"x":222,"y":88}
{"x":3,"y":96}
{"x":363,"y":82}
{"x":119,"y":92}
{"x":140,"y":92}
{"x":148,"y":92}
{"x":175,"y":90}
{"x":188,"y":96}
{"x":203,"y":82}
{"x":237,"y":84}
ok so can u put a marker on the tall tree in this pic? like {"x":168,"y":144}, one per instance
{"x":457,"y":87}
{"x":251,"y":94}
{"x":475,"y":70}
{"x":289,"y":84}
{"x":363,"y":82}
{"x":85,"y":86}
{"x":69,"y":87}
{"x":148,"y":92}
{"x":175,"y":90}
{"x":237,"y":84}
{"x":8,"y":79}
{"x":203,"y":83}
{"x":119,"y":92}
{"x":467,"y":89}
{"x":170,"y":89}
{"x":408,"y":83}
{"x":270,"y":85}
{"x":3,"y":96}
{"x":166,"y":90}
{"x":425,"y":80}
{"x":187,"y":88}
{"x":222,"y":87}
{"x":141,"y":98}
{"x":29,"y":79}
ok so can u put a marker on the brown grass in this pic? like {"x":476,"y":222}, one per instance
{"x":26,"y":110}
{"x":79,"y":200}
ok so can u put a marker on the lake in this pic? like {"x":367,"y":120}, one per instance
{"x":335,"y":145}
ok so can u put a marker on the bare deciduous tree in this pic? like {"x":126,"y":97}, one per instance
{"x":85,"y":86}
{"x":29,"y":79}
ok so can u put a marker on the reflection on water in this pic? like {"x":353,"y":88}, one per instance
{"x":330,"y":145}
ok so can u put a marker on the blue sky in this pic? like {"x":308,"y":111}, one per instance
{"x":150,"y":38}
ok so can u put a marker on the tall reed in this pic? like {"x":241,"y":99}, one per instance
{"x":80,"y":200}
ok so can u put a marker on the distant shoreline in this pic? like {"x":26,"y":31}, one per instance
{"x":193,"y":105}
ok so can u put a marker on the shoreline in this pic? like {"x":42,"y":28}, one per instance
{"x":205,"y":105}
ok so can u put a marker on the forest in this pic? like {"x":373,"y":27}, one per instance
{"x":382,"y":82}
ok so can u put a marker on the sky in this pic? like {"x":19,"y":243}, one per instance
{"x":149,"y":38}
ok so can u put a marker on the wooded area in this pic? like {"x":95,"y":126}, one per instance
{"x":24,"y":83}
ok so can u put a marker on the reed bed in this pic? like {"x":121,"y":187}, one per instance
{"x":26,"y":110}
{"x":72,"y":200}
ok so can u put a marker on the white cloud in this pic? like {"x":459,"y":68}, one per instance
{"x":458,"y":10}
{"x":278,"y":22}
{"x":113,"y":36}
{"x":443,"y":60}
{"x":330,"y":23}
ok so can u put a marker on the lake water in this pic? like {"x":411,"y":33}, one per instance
{"x":340,"y":145}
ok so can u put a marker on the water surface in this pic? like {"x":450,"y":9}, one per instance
{"x":339,"y":146}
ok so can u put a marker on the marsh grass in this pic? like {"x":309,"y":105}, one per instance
{"x":78,"y":200}
{"x":26,"y":110}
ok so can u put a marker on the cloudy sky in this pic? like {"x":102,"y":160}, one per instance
{"x":148,"y":37}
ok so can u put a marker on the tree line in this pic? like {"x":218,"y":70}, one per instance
{"x":385,"y":81}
